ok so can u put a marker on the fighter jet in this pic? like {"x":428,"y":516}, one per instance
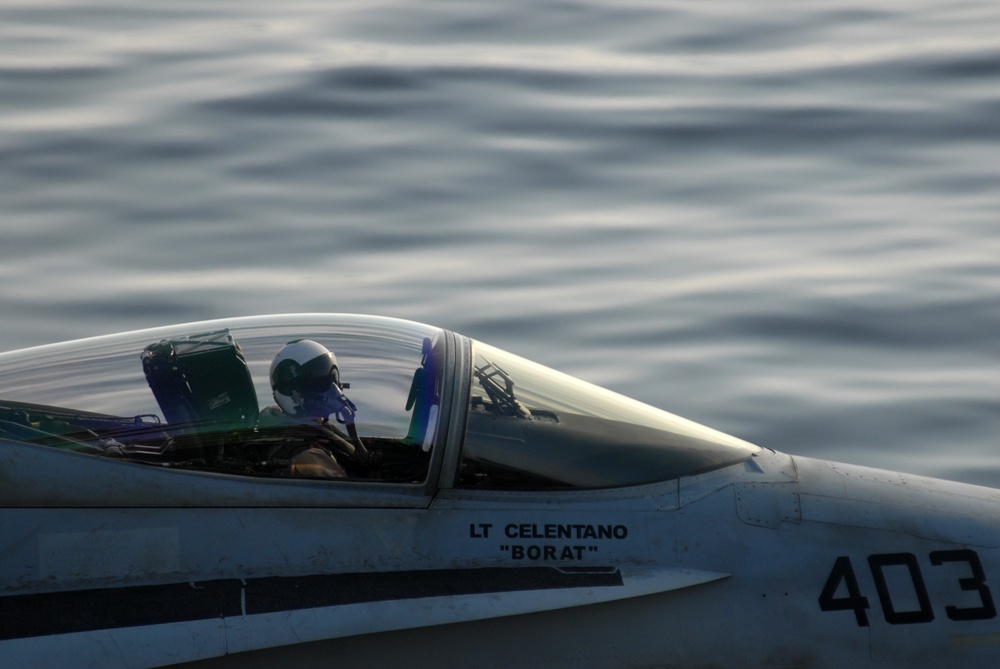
{"x":356,"y":491}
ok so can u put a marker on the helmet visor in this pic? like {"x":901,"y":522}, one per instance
{"x":317,"y":375}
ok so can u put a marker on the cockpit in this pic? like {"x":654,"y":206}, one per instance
{"x":402,"y":397}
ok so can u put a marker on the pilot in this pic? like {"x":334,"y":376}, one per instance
{"x":305,"y":380}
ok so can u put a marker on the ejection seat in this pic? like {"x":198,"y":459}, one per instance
{"x":203,"y":386}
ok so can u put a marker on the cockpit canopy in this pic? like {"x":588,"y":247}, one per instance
{"x":532,"y":427}
{"x":199,"y":398}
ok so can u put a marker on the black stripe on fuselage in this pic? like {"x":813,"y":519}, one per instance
{"x":134,"y":606}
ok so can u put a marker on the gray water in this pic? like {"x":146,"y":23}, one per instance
{"x":779,"y":219}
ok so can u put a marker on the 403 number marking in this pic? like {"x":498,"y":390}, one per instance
{"x":843,"y":574}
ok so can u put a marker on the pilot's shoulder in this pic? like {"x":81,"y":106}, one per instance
{"x":272,"y":415}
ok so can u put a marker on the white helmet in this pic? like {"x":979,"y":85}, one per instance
{"x":305,"y":380}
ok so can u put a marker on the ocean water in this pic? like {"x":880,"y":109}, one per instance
{"x":779,"y":219}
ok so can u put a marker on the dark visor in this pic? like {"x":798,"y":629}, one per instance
{"x":316,"y":375}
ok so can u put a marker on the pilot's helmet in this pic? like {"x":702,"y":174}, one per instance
{"x":304,"y":377}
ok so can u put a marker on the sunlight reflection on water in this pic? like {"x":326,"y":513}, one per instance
{"x":779,"y":223}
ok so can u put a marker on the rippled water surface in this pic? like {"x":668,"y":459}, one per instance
{"x":779,"y":219}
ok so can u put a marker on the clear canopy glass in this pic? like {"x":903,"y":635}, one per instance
{"x":195,"y":397}
{"x":532,"y":427}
